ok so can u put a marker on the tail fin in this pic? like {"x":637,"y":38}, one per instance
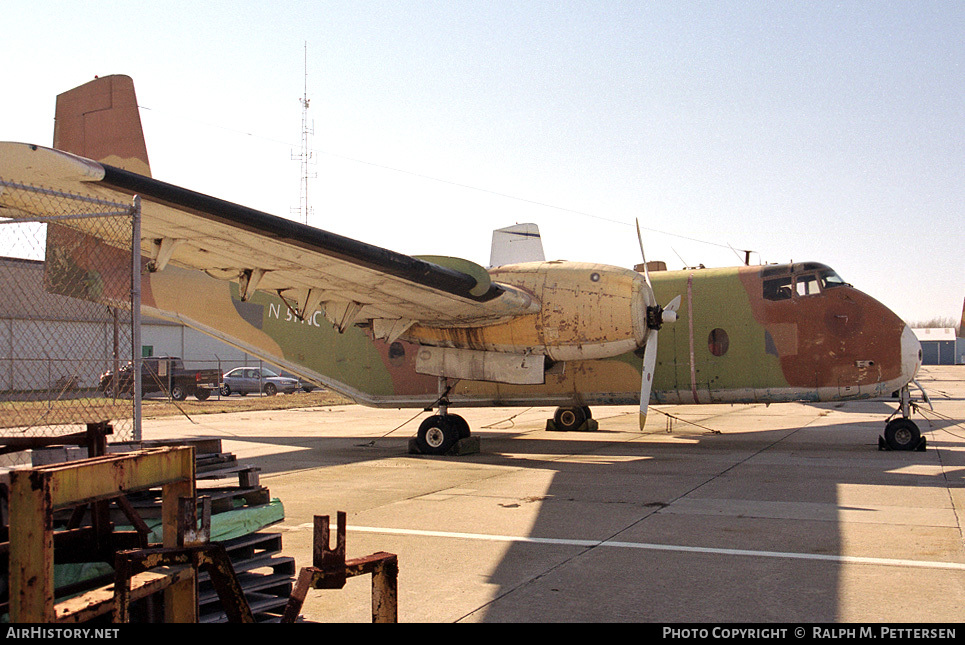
{"x":514,"y":244}
{"x":100,"y":120}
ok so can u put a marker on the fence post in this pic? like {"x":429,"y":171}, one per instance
{"x":136,"y":358}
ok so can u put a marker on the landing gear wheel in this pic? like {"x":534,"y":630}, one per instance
{"x":902,"y":434}
{"x":439,"y":433}
{"x":569,"y":419}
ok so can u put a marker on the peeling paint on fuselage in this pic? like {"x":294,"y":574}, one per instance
{"x":729,"y":344}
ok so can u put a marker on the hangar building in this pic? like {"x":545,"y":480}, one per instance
{"x":941,"y":346}
{"x":39,"y":332}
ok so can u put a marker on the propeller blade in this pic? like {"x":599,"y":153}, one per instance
{"x":670,"y":311}
{"x":656,"y":316}
{"x":646,"y":271}
{"x":646,"y":379}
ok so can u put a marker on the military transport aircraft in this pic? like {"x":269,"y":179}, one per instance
{"x":393,"y":330}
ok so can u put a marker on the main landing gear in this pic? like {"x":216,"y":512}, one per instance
{"x":440,"y":433}
{"x":902,"y":433}
{"x":444,"y":433}
{"x":572,"y":420}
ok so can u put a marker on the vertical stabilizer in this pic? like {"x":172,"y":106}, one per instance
{"x":515,"y":244}
{"x":100,"y":120}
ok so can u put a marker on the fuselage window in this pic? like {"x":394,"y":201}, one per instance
{"x":718,"y":342}
{"x":396,"y":353}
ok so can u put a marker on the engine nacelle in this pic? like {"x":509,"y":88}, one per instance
{"x":587,"y":311}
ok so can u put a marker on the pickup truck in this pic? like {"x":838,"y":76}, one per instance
{"x":163,"y":374}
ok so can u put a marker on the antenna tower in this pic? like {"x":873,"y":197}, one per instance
{"x":305,"y":156}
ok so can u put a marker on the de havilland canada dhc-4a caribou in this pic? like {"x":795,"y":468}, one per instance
{"x":434,"y":332}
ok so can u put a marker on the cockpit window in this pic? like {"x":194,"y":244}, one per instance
{"x":799,"y":286}
{"x":830,"y":279}
{"x":777,"y":288}
{"x":806,"y":285}
{"x":799,"y":280}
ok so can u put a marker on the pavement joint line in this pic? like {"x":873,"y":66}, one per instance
{"x":840,"y":559}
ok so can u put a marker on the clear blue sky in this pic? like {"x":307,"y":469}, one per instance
{"x":825,"y":131}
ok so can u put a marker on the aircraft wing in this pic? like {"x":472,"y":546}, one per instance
{"x":310,"y":268}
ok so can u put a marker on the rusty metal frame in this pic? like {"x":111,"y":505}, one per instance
{"x":212,"y":557}
{"x":331,"y":570}
{"x":35,"y":493}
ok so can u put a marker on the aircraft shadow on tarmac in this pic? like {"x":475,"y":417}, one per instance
{"x":773,"y":491}
{"x":793,"y":507}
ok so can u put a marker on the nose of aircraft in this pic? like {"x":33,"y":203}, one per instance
{"x":910,"y":354}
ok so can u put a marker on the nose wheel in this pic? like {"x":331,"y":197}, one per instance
{"x":902,"y":433}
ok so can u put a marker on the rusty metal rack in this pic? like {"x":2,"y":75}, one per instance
{"x":34,"y":495}
{"x":330,"y":570}
{"x":261,"y":578}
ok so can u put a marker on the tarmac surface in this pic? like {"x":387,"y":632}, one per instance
{"x":786,"y":513}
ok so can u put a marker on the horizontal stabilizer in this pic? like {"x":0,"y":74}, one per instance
{"x":516,"y":244}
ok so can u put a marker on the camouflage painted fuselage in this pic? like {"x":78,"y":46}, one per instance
{"x":744,"y":334}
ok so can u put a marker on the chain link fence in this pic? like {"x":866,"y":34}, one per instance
{"x":68,"y":330}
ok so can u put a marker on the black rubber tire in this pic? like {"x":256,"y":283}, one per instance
{"x":902,"y":434}
{"x":271,"y":389}
{"x":437,"y":435}
{"x":570,"y":419}
{"x":461,"y":425}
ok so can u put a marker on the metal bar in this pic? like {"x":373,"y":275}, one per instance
{"x":31,"y":549}
{"x":122,"y":208}
{"x":331,"y":571}
{"x":385,"y":590}
{"x":225,"y":582}
{"x":90,"y":480}
{"x":189,"y":533}
{"x":297,"y":597}
{"x":332,"y":561}
{"x":136,"y":358}
{"x":140,"y":526}
{"x":58,"y":218}
{"x":211,"y":557}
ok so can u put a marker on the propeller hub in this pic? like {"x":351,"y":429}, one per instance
{"x":656,"y":316}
